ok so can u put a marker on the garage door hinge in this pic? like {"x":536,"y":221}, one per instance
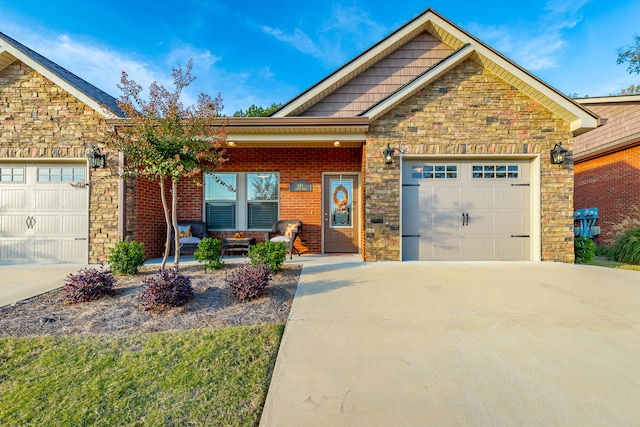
{"x":520,"y":185}
{"x":520,"y":235}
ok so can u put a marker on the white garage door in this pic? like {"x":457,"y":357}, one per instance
{"x":466,"y":210}
{"x":43,"y":218}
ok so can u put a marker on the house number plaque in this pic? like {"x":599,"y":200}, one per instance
{"x":300,"y":186}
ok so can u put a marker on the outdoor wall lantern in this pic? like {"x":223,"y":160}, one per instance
{"x":96,"y":158}
{"x":558,"y":154}
{"x":387,"y":154}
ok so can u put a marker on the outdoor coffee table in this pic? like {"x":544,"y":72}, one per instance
{"x":232,"y":246}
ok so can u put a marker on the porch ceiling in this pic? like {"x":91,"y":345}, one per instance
{"x":291,"y":132}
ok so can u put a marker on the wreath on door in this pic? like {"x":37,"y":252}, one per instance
{"x":340,"y":198}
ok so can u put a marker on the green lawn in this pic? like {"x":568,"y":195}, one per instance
{"x":201,"y":377}
{"x":613,"y":264}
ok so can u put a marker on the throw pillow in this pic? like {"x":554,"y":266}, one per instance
{"x":184,"y":231}
{"x":290,"y":230}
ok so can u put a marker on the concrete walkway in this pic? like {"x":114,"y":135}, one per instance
{"x":459,"y":344}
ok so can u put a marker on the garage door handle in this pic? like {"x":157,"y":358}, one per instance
{"x":31,"y":222}
{"x":465,"y":219}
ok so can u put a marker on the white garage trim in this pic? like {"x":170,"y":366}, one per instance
{"x":533,"y":163}
{"x":45,"y":211}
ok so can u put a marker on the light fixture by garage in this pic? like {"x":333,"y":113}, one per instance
{"x":558,"y":154}
{"x":387,"y":154}
{"x":96,"y":158}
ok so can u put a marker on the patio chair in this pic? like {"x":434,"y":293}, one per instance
{"x":190,"y":233}
{"x":286,"y":231}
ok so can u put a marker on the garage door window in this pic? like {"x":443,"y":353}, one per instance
{"x":495,"y":171}
{"x":435,"y":172}
{"x":60,"y":174}
{"x":12,"y":174}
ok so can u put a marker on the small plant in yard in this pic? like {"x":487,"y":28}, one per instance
{"x":248,"y":281}
{"x":271,"y":254}
{"x":209,"y":251}
{"x":87,"y":285}
{"x":626,"y":247}
{"x":584,"y":249}
{"x":167,"y":289}
{"x":126,"y":257}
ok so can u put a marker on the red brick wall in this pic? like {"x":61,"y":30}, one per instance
{"x":292,"y":164}
{"x":149,"y":222}
{"x":610,"y":183}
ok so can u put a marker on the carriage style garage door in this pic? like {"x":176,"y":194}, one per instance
{"x":43,"y":218}
{"x":466,"y":210}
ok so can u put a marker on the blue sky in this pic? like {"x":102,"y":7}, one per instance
{"x":263,"y":52}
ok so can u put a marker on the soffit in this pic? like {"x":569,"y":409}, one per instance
{"x":6,"y":59}
{"x":290,"y":132}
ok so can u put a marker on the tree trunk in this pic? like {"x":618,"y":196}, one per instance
{"x":174,"y":215}
{"x":167,"y":242}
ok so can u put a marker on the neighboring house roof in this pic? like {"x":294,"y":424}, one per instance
{"x":619,"y":129}
{"x":461,"y":46}
{"x":100,"y":101}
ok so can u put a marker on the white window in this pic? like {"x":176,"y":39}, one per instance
{"x":241,"y":201}
{"x":60,"y":174}
{"x":12,"y":174}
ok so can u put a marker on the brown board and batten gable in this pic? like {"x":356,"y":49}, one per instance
{"x":445,"y":100}
{"x":410,"y":58}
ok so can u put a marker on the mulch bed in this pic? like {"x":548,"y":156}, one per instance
{"x":213,"y":306}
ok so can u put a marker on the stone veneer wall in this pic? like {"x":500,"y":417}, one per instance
{"x":39,"y":120}
{"x":468,"y":111}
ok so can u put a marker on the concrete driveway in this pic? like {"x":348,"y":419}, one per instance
{"x":18,"y":282}
{"x":459,"y":344}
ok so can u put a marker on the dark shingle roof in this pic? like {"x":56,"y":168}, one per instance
{"x":81,"y":85}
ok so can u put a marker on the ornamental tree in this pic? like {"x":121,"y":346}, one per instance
{"x":163,"y":140}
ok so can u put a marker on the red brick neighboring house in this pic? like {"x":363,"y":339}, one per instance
{"x":607,"y":161}
{"x":469,"y":132}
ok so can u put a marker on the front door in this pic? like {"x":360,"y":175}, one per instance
{"x":341,"y":213}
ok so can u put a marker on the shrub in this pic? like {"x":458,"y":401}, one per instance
{"x":209,"y":251}
{"x":602,"y":250}
{"x":271,"y":254}
{"x":248,"y":281}
{"x":628,"y":223}
{"x":126,"y":257}
{"x":168,"y":288}
{"x":626,"y":247}
{"x":584,"y":249}
{"x":87,"y":285}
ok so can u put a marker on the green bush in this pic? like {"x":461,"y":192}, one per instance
{"x":626,"y":247}
{"x":602,"y":250}
{"x":271,"y":254}
{"x":126,"y":257}
{"x":584,"y":249}
{"x":209,"y":251}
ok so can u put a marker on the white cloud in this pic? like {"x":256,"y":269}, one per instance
{"x":536,"y":45}
{"x":343,"y":34}
{"x":298,"y":39}
{"x":97,"y":64}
